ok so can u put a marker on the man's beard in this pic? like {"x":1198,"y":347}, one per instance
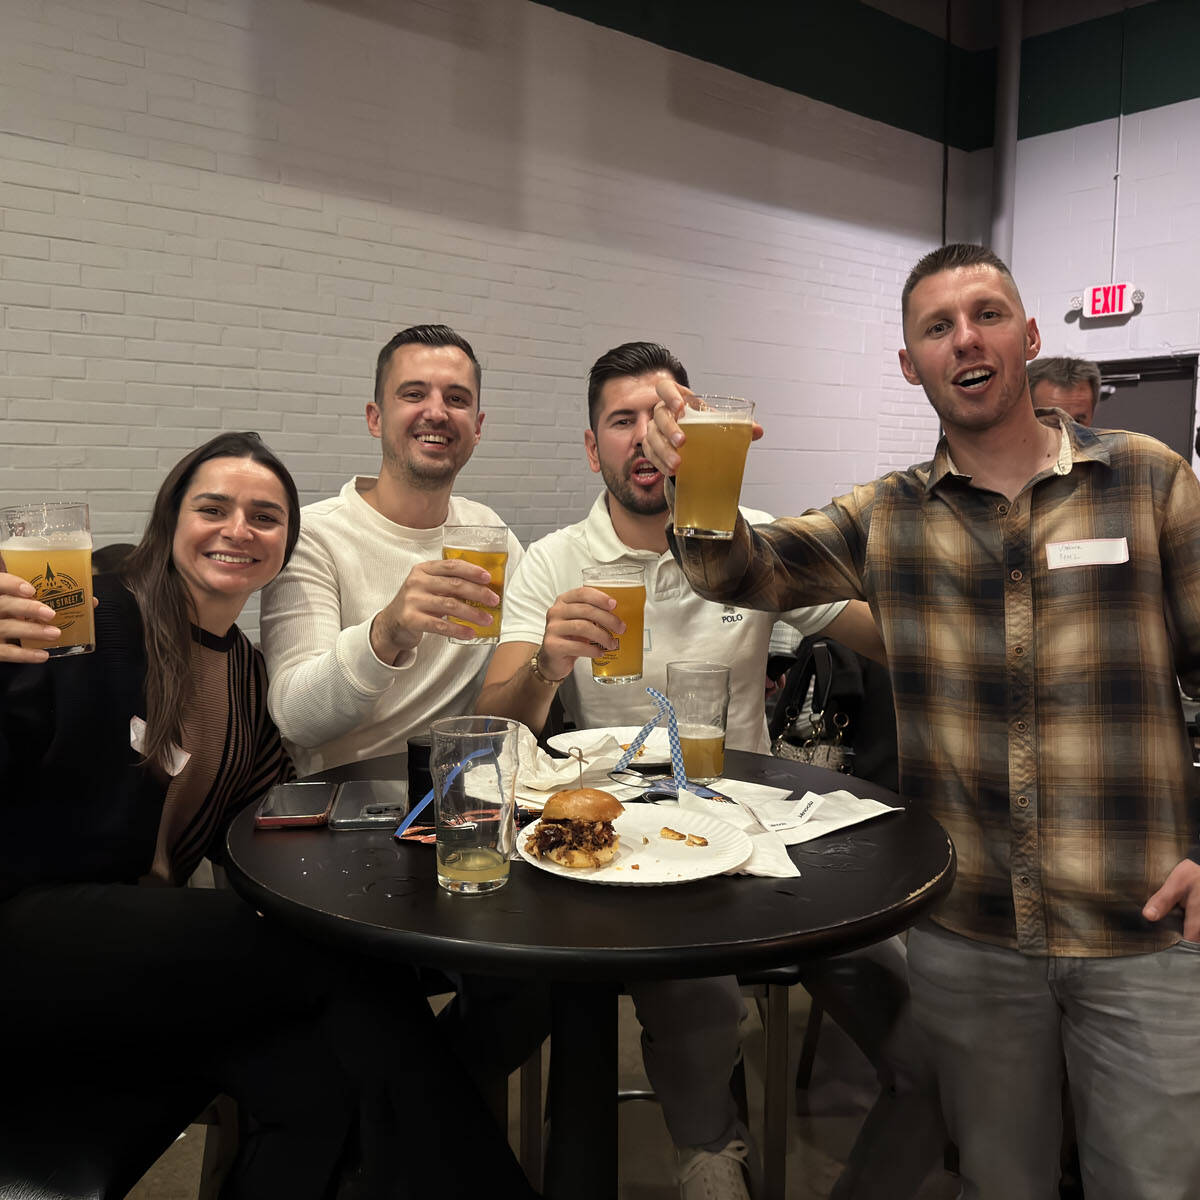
{"x":421,"y":476}
{"x":622,"y":490}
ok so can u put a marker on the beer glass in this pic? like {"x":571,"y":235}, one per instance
{"x":49,"y":545}
{"x":626,"y":584}
{"x":474,"y":765}
{"x":699,"y":693}
{"x":486,"y":546}
{"x":708,"y":481}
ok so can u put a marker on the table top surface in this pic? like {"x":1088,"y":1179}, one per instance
{"x":367,"y":889}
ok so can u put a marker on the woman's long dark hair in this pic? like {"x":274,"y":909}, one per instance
{"x":166,"y":606}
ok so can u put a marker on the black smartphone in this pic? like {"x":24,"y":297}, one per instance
{"x":289,"y":805}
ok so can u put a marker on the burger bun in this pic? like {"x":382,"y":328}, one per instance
{"x":566,"y":857}
{"x":582,"y":804}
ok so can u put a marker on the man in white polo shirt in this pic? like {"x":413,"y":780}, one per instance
{"x":551,"y":629}
{"x":553,"y":626}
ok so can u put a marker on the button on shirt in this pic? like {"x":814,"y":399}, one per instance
{"x":1037,"y":706}
{"x":679,"y":625}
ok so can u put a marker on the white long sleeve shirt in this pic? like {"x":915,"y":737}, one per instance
{"x":332,"y":698}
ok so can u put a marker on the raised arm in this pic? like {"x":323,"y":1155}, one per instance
{"x":326,"y":679}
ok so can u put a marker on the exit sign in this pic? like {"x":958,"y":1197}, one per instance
{"x":1109,"y":300}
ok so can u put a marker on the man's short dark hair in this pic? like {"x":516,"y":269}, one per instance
{"x":630,"y":358}
{"x":950,"y":258}
{"x":425,"y":335}
{"x":1065,"y":372}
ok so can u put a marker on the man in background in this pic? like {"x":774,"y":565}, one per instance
{"x":1072,"y":384}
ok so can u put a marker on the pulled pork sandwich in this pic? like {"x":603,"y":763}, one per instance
{"x":576,"y":828}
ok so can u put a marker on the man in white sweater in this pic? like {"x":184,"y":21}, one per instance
{"x":356,"y":631}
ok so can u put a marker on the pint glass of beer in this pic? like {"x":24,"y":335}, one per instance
{"x":699,"y":693}
{"x":50,"y":545}
{"x":626,"y":584}
{"x":709,"y":479}
{"x":486,"y":546}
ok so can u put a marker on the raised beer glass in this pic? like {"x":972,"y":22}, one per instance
{"x":486,"y":546}
{"x":49,"y":544}
{"x":708,"y":481}
{"x":626,"y":584}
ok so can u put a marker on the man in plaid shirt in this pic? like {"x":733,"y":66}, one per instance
{"x":1037,"y":586}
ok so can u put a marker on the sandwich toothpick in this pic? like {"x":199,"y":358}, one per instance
{"x":577,"y":754}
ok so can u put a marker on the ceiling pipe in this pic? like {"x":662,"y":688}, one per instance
{"x":1004,"y":148}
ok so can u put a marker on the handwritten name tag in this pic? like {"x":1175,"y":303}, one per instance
{"x":137,"y":739}
{"x":801,"y":811}
{"x":1095,"y":552}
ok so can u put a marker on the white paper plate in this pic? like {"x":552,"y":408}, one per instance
{"x":655,"y":749}
{"x":657,"y":860}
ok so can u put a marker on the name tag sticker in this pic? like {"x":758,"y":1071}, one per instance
{"x":137,"y":739}
{"x":1095,"y":552}
{"x":800,"y":812}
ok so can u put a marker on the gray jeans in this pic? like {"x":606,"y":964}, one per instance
{"x":1005,"y":1029}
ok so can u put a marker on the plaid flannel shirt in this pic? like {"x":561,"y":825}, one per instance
{"x":1038,"y":712}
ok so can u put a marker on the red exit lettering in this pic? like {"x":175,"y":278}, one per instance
{"x":1108,"y":300}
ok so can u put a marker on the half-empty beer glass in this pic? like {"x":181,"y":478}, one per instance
{"x":699,"y":694}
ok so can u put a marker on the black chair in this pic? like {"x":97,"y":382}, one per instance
{"x":61,"y":1141}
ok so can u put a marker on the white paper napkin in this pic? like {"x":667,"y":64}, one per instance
{"x":813,"y":816}
{"x":769,"y":856}
{"x":539,"y":775}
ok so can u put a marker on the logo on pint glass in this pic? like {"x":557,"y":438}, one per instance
{"x":61,"y":592}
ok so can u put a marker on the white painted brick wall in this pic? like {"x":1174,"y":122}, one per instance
{"x":1063,"y":234}
{"x":213,"y":213}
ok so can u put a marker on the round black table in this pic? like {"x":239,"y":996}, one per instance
{"x":366,"y":889}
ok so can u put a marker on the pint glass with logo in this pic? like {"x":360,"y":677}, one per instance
{"x":708,"y":482}
{"x":50,"y":545}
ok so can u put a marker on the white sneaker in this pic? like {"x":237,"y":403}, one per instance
{"x":706,"y":1176}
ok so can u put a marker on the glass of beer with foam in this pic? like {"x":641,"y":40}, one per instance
{"x":699,"y":694}
{"x":49,"y":544}
{"x":626,"y":584}
{"x":708,"y":481}
{"x":486,"y":546}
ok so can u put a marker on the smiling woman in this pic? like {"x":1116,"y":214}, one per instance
{"x":148,"y":748}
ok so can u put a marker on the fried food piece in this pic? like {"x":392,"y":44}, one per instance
{"x":672,"y":835}
{"x":694,"y":839}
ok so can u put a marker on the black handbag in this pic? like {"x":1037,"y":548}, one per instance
{"x":851,"y":725}
{"x":824,"y":742}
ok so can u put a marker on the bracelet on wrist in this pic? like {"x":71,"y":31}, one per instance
{"x":536,"y":668}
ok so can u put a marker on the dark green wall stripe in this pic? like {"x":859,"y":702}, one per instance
{"x":842,"y":52}
{"x":850,"y":55}
{"x":1073,"y":76}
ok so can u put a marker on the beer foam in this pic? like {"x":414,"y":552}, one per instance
{"x":25,"y":543}
{"x":700,"y":732}
{"x":708,"y":416}
{"x":75,"y":539}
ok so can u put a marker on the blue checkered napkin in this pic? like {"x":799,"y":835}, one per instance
{"x":664,"y":710}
